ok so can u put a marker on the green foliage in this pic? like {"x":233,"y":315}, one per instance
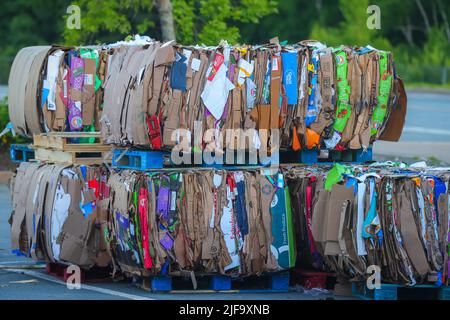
{"x":109,"y":20}
{"x":349,"y":30}
{"x":209,"y":21}
{"x":420,"y":44}
{"x":184,"y":15}
{"x":292,"y":21}
{"x":26,"y":23}
{"x":429,"y":65}
{"x":436,"y":49}
{"x":203,"y":21}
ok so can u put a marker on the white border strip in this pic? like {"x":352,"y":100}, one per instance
{"x":21,"y":262}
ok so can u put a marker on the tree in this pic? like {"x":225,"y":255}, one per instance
{"x":165,"y":14}
{"x":292,"y":21}
{"x":209,"y":21}
{"x":202,"y":21}
{"x":352,"y":30}
{"x":110,"y":20}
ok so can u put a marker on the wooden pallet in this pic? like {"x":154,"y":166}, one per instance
{"x":71,"y":157}
{"x":63,"y":141}
{"x":267,"y":283}
{"x":63,"y":147}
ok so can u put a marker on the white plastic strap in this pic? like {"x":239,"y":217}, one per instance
{"x":9,"y":127}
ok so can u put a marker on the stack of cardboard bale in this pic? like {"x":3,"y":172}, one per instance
{"x":239,"y":221}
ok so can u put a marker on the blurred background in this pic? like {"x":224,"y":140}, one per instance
{"x":416,"y":31}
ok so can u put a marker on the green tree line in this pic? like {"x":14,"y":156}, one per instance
{"x":417,"y":31}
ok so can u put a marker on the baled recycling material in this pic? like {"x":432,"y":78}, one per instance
{"x":59,"y":213}
{"x":211,"y":221}
{"x":350,"y":218}
{"x":238,"y":222}
{"x":139,"y":92}
{"x":56,"y":89}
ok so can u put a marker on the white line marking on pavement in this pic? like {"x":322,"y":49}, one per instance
{"x":83,"y":286}
{"x":426,"y":131}
{"x":18,"y":262}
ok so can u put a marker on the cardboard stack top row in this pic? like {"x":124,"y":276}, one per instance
{"x":140,"y":92}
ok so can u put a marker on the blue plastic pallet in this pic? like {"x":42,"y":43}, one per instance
{"x":278,"y":282}
{"x":444,"y":293}
{"x":357,"y":156}
{"x":148,"y":160}
{"x":21,"y":153}
{"x":311,"y":156}
{"x":400,"y":292}
{"x":139,"y":160}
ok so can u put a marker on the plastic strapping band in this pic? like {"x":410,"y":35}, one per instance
{"x":9,"y":127}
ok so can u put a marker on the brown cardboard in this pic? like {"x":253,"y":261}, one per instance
{"x":20,"y":192}
{"x":411,"y":240}
{"x":396,"y":120}
{"x":340,"y":194}
{"x":88,"y":96}
{"x":83,"y":243}
{"x":74,"y":238}
{"x":23,"y":93}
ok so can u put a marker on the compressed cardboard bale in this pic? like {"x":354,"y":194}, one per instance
{"x":62,"y":215}
{"x":200,"y":221}
{"x":378,"y":215}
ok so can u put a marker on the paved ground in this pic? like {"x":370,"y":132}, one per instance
{"x":427,"y":118}
{"x":29,"y":284}
{"x":413,"y":151}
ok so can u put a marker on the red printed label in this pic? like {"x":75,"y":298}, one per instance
{"x":218,"y":60}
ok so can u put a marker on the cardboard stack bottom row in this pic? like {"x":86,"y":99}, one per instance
{"x":237,"y":222}
{"x":138,"y":93}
